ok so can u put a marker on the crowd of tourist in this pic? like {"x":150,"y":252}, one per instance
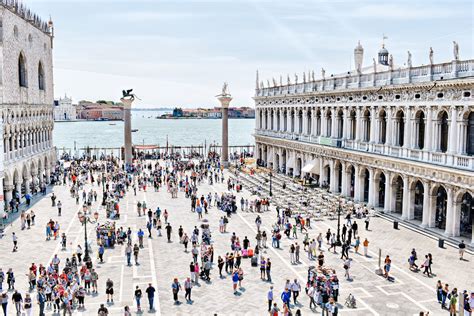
{"x":64,"y":285}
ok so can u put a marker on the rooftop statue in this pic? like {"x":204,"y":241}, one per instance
{"x":323,"y":73}
{"x":456,"y":50}
{"x":296,"y":79}
{"x":288,"y":79}
{"x":431,"y":55}
{"x":409,"y":59}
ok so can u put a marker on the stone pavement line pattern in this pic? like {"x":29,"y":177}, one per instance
{"x":160,"y":261}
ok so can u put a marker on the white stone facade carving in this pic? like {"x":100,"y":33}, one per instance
{"x":26,"y":101}
{"x":400,"y":140}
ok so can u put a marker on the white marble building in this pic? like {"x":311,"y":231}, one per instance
{"x":398,"y":139}
{"x":64,"y":110}
{"x":26,"y":100}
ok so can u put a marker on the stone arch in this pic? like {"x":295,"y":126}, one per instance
{"x":351,"y":174}
{"x":467,"y":132}
{"x":464,"y":200}
{"x":328,"y":118}
{"x":309,"y":122}
{"x":41,"y":76}
{"x":292,"y":120}
{"x":364,"y":179}
{"x":443,"y":130}
{"x":318,"y":122}
{"x":419,"y":132}
{"x":325,"y":177}
{"x":366,"y":124}
{"x":417,"y":189}
{"x":399,"y":121}
{"x":382,"y":116}
{"x":398,"y":185}
{"x":22,"y":70}
{"x":340,"y":123}
{"x":353,"y":124}
{"x":440,"y":194}
{"x":380,"y":179}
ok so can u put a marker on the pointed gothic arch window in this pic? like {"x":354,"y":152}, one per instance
{"x":40,"y":76}
{"x":22,"y":75}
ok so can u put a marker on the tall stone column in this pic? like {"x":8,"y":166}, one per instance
{"x":225,"y":99}
{"x":453,"y":131}
{"x":357,"y":184}
{"x":449,"y":231}
{"x":389,"y":128}
{"x":127,"y":130}
{"x":371,"y":187}
{"x":388,"y":193}
{"x":332,"y":178}
{"x":27,"y":186}
{"x":406,"y":198}
{"x":426,"y":204}
{"x":343,"y":179}
{"x":48,"y":175}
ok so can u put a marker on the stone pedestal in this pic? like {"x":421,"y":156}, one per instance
{"x":127,"y":130}
{"x":225,"y":100}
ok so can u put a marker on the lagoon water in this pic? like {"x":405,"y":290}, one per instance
{"x":152,"y":131}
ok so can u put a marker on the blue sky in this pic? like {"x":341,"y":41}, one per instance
{"x":179,"y":52}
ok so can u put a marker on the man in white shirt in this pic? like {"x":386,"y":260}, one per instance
{"x":311,"y":292}
{"x":270,"y":298}
{"x":295,"y":288}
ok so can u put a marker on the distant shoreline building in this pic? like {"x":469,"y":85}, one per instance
{"x":93,"y":111}
{"x":214,"y":113}
{"x":64,"y":110}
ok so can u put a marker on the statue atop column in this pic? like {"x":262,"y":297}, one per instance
{"x":225,"y":92}
{"x":431,"y":55}
{"x":128,"y":95}
{"x":409,"y":59}
{"x":455,"y":50}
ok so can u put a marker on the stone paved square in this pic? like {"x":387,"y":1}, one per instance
{"x":160,"y":261}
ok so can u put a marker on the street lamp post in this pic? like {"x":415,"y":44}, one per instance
{"x":338,"y":241}
{"x":271,"y":175}
{"x":84,"y":219}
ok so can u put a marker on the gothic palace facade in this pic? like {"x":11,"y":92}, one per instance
{"x":398,"y":139}
{"x":26,"y":100}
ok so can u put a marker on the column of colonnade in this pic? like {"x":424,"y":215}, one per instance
{"x":368,"y":128}
{"x":329,"y":168}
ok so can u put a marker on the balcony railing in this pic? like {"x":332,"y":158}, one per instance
{"x":445,"y":159}
{"x":426,"y":73}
